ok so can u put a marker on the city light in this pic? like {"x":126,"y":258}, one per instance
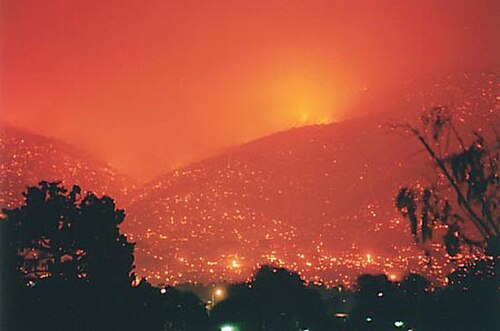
{"x":341,"y":315}
{"x":399,"y":324}
{"x":228,"y":328}
{"x":217,"y":294}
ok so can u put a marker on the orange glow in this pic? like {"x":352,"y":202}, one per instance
{"x":150,"y":87}
{"x":167,"y":93}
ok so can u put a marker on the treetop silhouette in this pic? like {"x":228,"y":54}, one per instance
{"x":466,"y":194}
{"x":64,"y":236}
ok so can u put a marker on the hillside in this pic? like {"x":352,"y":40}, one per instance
{"x":218,"y":218}
{"x":251,"y":204}
{"x":28,"y":158}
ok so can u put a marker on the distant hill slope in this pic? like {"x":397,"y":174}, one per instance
{"x":26,"y":159}
{"x":281,"y":196}
{"x":318,"y":199}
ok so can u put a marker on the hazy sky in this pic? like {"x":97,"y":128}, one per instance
{"x":151,"y":85}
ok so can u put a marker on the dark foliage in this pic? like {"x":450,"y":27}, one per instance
{"x":376,"y":304}
{"x":168,"y":309}
{"x":467,"y":193}
{"x":276,"y":300}
{"x":66,"y":266}
{"x":470,"y":302}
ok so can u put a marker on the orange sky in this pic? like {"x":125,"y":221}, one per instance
{"x":151,"y":85}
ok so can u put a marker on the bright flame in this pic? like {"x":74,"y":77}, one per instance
{"x":301,"y":93}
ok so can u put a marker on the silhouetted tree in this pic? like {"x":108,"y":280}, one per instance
{"x":65,"y":264}
{"x":415,"y":285}
{"x":464,"y":201}
{"x":60,"y":236}
{"x":183,"y":311}
{"x":414,"y":293}
{"x":167,"y":309}
{"x":467,"y":192}
{"x":469,"y":302}
{"x":276,"y":300}
{"x":377,"y":304}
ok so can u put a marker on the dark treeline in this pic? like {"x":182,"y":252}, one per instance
{"x":66,"y":266}
{"x":278,"y":300}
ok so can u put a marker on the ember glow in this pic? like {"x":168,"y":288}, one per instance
{"x":151,"y":87}
{"x":238,"y":134}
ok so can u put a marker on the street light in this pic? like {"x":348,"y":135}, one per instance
{"x":228,"y":328}
{"x":217,"y":294}
{"x":399,"y":324}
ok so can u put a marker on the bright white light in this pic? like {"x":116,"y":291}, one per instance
{"x":341,"y":315}
{"x":227,"y":328}
{"x":399,"y":324}
{"x":163,"y":290}
{"x":368,"y":319}
{"x":218,"y":292}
